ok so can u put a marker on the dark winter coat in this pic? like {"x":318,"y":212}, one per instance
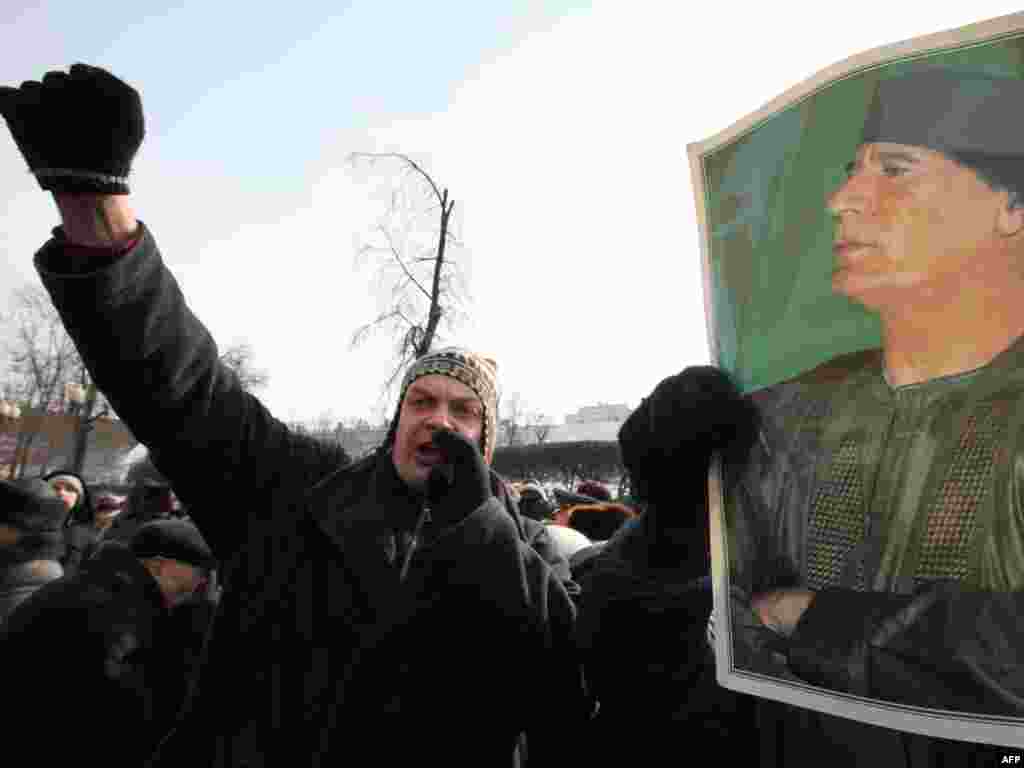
{"x":80,"y":535}
{"x":318,"y":654}
{"x":32,"y":541}
{"x":643,"y":635}
{"x":83,"y":539}
{"x":92,"y":666}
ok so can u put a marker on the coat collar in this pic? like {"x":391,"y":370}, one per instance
{"x":360,"y":508}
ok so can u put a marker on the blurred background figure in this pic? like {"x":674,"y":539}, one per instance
{"x":121,"y":635}
{"x":72,"y":490}
{"x":32,"y":543}
{"x":535,"y":504}
{"x":566,"y":500}
{"x":79,"y":536}
{"x":148,"y":501}
{"x":85,"y":538}
{"x":594,"y":489}
{"x":599,"y":522}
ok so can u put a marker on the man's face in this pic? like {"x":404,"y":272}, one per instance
{"x":67,"y":493}
{"x":432,"y":402}
{"x":908,"y":221}
{"x":178,"y":580}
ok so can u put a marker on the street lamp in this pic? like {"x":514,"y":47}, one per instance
{"x":75,"y":393}
{"x":9,"y":413}
{"x":82,"y":399}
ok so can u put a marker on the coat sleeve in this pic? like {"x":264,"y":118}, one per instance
{"x":947,"y":646}
{"x":159,"y":367}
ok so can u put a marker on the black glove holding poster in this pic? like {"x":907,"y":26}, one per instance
{"x":667,"y":445}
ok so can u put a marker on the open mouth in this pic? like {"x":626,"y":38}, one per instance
{"x":429,"y":454}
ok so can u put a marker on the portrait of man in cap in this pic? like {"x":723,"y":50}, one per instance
{"x":875,"y":543}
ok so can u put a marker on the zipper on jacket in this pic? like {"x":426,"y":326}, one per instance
{"x":414,"y":542}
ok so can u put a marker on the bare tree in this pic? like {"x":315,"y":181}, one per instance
{"x":512,"y":423}
{"x":238,"y":357}
{"x":540,"y":426}
{"x":411,"y":242}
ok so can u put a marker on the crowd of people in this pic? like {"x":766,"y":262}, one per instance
{"x":412,"y":605}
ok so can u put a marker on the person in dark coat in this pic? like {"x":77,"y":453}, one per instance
{"x":535,"y":504}
{"x":80,"y":533}
{"x":646,"y":595}
{"x":148,"y":501}
{"x":104,"y":639}
{"x":72,"y":490}
{"x":398,"y":607}
{"x":31,"y":540}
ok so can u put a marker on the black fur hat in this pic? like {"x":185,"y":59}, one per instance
{"x":174,"y":539}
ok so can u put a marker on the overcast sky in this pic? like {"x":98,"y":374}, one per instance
{"x":559,"y":127}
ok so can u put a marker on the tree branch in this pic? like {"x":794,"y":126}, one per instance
{"x":405,"y":159}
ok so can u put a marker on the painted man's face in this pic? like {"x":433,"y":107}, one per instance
{"x":432,"y":402}
{"x":908,"y":220}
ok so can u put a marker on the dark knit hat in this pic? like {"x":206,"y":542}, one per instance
{"x":175,"y":540}
{"x":478,"y":372}
{"x":33,"y":509}
{"x":534,"y":502}
{"x":594,"y":489}
{"x":948,"y":111}
{"x":972,"y":117}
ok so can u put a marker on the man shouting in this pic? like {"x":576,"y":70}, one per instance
{"x":395,"y":609}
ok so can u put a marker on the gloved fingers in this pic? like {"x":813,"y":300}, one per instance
{"x":9,"y":98}
{"x":80,"y":71}
{"x":10,"y":101}
{"x":456,"y":447}
{"x":439,"y":482}
{"x":30,"y":93}
{"x":54,"y":79}
{"x":101,"y":80}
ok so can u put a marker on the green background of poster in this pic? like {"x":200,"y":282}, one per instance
{"x":770,"y":235}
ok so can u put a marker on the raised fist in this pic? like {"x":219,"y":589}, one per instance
{"x":78,"y":131}
{"x":458,"y":486}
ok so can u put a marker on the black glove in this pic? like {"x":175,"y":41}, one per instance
{"x":667,"y":445}
{"x":461,"y":484}
{"x":78,"y":132}
{"x":673,"y":433}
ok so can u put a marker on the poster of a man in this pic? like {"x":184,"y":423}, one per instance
{"x":870,"y":560}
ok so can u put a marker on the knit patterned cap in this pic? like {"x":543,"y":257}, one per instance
{"x":477,"y":372}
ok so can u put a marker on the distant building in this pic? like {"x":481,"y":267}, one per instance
{"x":599,"y":422}
{"x":602,"y":412}
{"x":600,"y":431}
